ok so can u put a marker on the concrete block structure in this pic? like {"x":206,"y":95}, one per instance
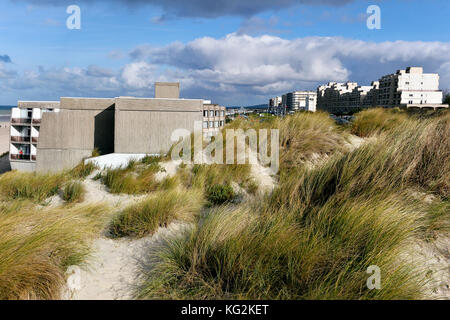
{"x":52,"y":141}
{"x":409,"y":88}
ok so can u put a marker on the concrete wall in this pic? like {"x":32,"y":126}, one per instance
{"x":68,"y":136}
{"x":146,"y":125}
{"x":167,"y":90}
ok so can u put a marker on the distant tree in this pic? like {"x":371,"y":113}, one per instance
{"x":447,"y":97}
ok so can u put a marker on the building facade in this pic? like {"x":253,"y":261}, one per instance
{"x":213,"y":118}
{"x":409,"y":88}
{"x":293,"y":102}
{"x":25,"y":130}
{"x":53,"y":136}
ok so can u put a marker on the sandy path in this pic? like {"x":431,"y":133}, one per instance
{"x":116,"y":267}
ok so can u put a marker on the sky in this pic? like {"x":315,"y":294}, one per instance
{"x":233,"y":52}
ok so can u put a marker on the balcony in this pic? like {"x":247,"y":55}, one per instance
{"x":20,"y":157}
{"x":25,"y":139}
{"x":36,"y":121}
{"x":21,"y":120}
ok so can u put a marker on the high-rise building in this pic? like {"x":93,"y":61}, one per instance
{"x":409,"y":88}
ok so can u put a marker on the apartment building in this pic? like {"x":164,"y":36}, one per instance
{"x":409,"y":88}
{"x":301,"y":101}
{"x":24,"y":132}
{"x":213,"y":118}
{"x":293,"y":101}
{"x":53,"y":136}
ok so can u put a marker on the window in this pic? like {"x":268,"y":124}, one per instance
{"x":216,"y":124}
{"x":211,"y":124}
{"x":217,"y":113}
{"x":205,"y":124}
{"x":222,"y":113}
{"x":205,"y":113}
{"x":211,"y":113}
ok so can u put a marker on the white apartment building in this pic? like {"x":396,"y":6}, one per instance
{"x":293,"y":101}
{"x":213,"y":118}
{"x":409,"y":88}
{"x":301,"y":101}
{"x":24,"y":132}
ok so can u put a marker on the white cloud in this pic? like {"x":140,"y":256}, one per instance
{"x":241,"y":69}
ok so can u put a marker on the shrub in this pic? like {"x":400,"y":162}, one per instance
{"x":145,"y":217}
{"x":219,"y":194}
{"x":73,"y":192}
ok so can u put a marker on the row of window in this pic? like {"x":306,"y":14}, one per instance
{"x":213,"y":113}
{"x":213,"y":124}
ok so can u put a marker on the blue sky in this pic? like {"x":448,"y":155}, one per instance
{"x":233,"y":52}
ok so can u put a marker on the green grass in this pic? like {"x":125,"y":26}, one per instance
{"x":375,"y":121}
{"x":37,"y":246}
{"x":32,"y":186}
{"x":315,"y":236}
{"x":135,"y":178}
{"x":73,"y":192}
{"x":82,"y":170}
{"x":157,"y":210}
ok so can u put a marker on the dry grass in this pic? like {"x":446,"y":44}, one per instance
{"x":316,"y":234}
{"x":157,"y":210}
{"x":37,"y":245}
{"x":33,"y":186}
{"x":73,"y":192}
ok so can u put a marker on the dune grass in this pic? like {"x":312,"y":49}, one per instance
{"x":37,"y":246}
{"x":160,"y":209}
{"x":82,"y":170}
{"x":315,"y":236}
{"x":374,"y":121}
{"x":73,"y":192}
{"x":33,"y":186}
{"x":135,"y":178}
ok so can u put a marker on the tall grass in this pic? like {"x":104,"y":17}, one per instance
{"x":37,"y":245}
{"x":377,"y":120}
{"x":133,"y":179}
{"x":315,"y":236}
{"x":33,"y":186}
{"x":157,"y":210}
{"x":73,"y":192}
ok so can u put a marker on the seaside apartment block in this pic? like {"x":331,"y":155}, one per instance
{"x":409,"y":88}
{"x":52,"y":136}
{"x":293,"y":102}
{"x":213,"y":118}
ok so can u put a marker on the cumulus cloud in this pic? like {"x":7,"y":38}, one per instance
{"x":265,"y":63}
{"x":240,"y":68}
{"x":205,"y":8}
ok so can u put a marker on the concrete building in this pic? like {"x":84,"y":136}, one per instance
{"x":409,"y":88}
{"x":53,"y":141}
